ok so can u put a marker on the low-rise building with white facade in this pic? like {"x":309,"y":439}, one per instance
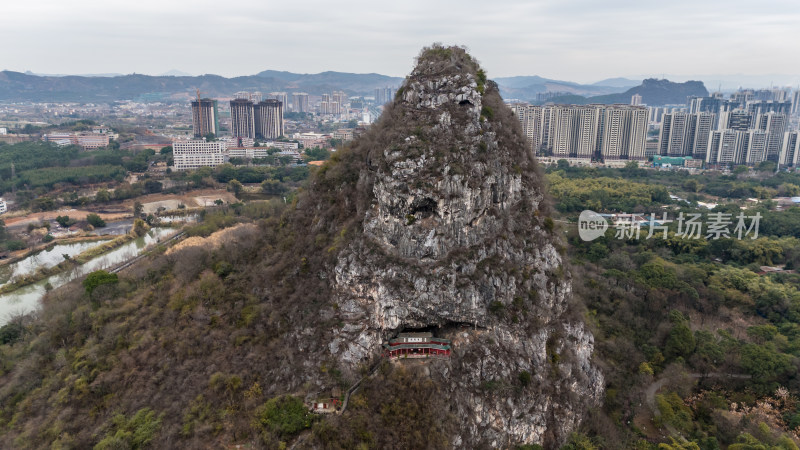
{"x":195,"y":153}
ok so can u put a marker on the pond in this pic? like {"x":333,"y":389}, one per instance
{"x":27,"y":298}
{"x":44,"y":259}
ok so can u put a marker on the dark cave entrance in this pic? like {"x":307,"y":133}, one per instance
{"x":424,"y":207}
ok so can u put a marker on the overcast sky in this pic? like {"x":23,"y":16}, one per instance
{"x":578,"y":40}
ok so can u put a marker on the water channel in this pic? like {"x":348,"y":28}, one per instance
{"x":27,"y":298}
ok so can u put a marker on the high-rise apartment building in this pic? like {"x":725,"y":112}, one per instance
{"x":764,"y":106}
{"x":636,"y":100}
{"x":281,"y":97}
{"x":750,"y":127}
{"x":685,"y":134}
{"x":796,"y":103}
{"x":243,"y":122}
{"x":268,"y":119}
{"x":727,"y":147}
{"x":325,"y":104}
{"x":674,"y":131}
{"x":341,"y":98}
{"x":204,"y":117}
{"x":781,"y":94}
{"x":774,"y":125}
{"x":531,"y":119}
{"x":611,"y":132}
{"x":624,"y":132}
{"x":703,"y":125}
{"x":714,"y":104}
{"x":333,"y":104}
{"x":756,"y":147}
{"x":263,"y":120}
{"x":300,"y":102}
{"x":656,"y":114}
{"x":790,"y":153}
{"x":742,"y":96}
{"x":384,"y":95}
{"x":254,"y":97}
{"x":693,"y":103}
{"x":574,"y":131}
{"x":732,"y":147}
{"x":737,"y":119}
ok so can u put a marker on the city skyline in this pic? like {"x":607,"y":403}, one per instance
{"x":575,"y":40}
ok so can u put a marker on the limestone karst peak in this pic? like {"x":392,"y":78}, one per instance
{"x":454,"y":232}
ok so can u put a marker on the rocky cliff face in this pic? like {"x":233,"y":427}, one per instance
{"x":456,"y":238}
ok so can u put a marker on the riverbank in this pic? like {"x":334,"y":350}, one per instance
{"x":69,"y":262}
{"x":27,"y":299}
{"x":28,"y":252}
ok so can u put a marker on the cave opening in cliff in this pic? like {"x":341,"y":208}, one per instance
{"x":441,"y":329}
{"x":424,"y":207}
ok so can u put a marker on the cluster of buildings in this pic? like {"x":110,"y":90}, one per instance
{"x":251,"y":116}
{"x":300,"y":102}
{"x":333,"y":104}
{"x":253,"y":119}
{"x":195,"y":153}
{"x":583,"y":133}
{"x":258,"y":118}
{"x":384,"y":95}
{"x":337,"y":105}
{"x":749,"y":127}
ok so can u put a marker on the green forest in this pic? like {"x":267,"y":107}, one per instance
{"x":700,"y":316}
{"x":45,"y":165}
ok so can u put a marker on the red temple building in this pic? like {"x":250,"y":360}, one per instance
{"x":417,"y":345}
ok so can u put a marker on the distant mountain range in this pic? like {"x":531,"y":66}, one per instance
{"x":732,"y":82}
{"x":90,"y":75}
{"x":176,"y":86}
{"x":356,"y":83}
{"x":654,"y":92}
{"x":16,"y":86}
{"x":526,"y":87}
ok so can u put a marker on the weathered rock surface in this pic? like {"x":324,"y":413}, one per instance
{"x":456,"y":234}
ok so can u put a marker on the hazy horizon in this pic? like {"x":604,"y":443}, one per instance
{"x":574,"y":40}
{"x":725,"y":82}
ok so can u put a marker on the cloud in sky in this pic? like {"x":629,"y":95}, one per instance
{"x":579,"y":40}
